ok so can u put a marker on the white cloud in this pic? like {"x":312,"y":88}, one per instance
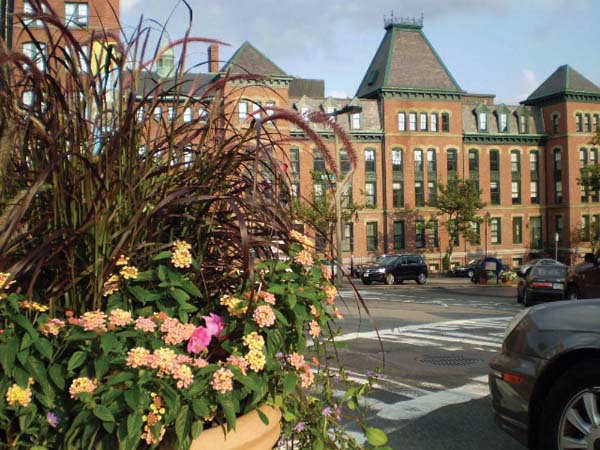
{"x":128,"y":5}
{"x":528,"y":83}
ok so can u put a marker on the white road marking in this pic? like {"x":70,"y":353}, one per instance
{"x":420,"y":406}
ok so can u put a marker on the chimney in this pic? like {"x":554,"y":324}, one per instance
{"x":213,"y":58}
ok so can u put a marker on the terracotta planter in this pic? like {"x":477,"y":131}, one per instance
{"x":250,"y":433}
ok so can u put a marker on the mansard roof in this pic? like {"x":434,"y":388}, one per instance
{"x":406,"y":60}
{"x":311,"y":88}
{"x":564,"y":80}
{"x":370,"y":119}
{"x":247,"y":59}
{"x":533,"y":115}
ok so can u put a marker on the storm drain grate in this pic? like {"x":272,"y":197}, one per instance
{"x":449,"y":360}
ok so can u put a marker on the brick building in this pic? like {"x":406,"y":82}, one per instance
{"x":419,"y":128}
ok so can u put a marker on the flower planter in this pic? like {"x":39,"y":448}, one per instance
{"x":250,"y":433}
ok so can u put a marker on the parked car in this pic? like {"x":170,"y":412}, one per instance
{"x":488,"y":267}
{"x":583,"y":280}
{"x":468,"y":270}
{"x":522,"y":270}
{"x":542,"y":282}
{"x":394,"y":269}
{"x":358,"y":269}
{"x":545,"y":382}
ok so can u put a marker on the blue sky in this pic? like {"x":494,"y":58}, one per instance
{"x":502,"y":47}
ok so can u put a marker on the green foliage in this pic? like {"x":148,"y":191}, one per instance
{"x":458,"y":204}
{"x":134,"y":400}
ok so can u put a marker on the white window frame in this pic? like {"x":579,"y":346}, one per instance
{"x":37,"y":52}
{"x":242,"y":111}
{"x":171,"y":113}
{"x":503,"y":123}
{"x":140,"y":114}
{"x":78,"y":16}
{"x":412,"y":121}
{"x":28,"y":10}
{"x":433,"y":124}
{"x":402,"y":121}
{"x":269,"y":107}
{"x":188,"y":114}
{"x":396,"y":157}
{"x":355,"y":122}
{"x":157,"y":113}
{"x":483,"y":121}
{"x":423,"y":121}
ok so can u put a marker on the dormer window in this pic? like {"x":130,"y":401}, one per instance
{"x":503,"y":123}
{"x":355,"y":124}
{"x":188,"y":114}
{"x":304,"y":111}
{"x":482,"y":121}
{"x":157,"y":113}
{"x":522,"y":124}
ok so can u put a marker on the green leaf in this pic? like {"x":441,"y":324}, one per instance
{"x":191,"y":288}
{"x":38,"y":447}
{"x":132,"y":397}
{"x":290,"y":381}
{"x":44,"y":346}
{"x":38,"y":370}
{"x":24,"y":323}
{"x":143,"y":295}
{"x":108,"y":341}
{"x":200,"y":407}
{"x":182,"y":423}
{"x":179,"y":295}
{"x":228,"y":409}
{"x":375,"y":436}
{"x":162,"y":273}
{"x":101,"y":365}
{"x":8,"y":354}
{"x":162,"y":255}
{"x":280,"y":317}
{"x":197,"y":429}
{"x":57,"y":376}
{"x":76,"y":360}
{"x":104,"y":414}
{"x":26,"y":342}
{"x":119,"y":378}
{"x":134,"y":424}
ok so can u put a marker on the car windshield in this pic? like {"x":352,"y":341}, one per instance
{"x":554,"y":271}
{"x":474,"y":262}
{"x":387,"y":260}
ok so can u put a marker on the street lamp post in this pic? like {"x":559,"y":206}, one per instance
{"x":556,"y":238}
{"x":487,"y":219}
{"x":348,"y":109}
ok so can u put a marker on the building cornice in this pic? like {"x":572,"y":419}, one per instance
{"x":422,"y":94}
{"x":561,"y":97}
{"x":363,"y":136}
{"x":530,"y":139}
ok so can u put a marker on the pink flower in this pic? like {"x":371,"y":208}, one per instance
{"x":264,"y":316}
{"x":214,"y":324}
{"x":119,"y":317}
{"x":145,"y":324}
{"x":222,"y":380}
{"x":199,"y":341}
{"x":268,"y":297}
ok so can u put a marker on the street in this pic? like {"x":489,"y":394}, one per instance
{"x":437,"y":339}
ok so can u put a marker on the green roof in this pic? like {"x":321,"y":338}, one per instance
{"x":247,"y":59}
{"x":564,"y":80}
{"x":406,"y":60}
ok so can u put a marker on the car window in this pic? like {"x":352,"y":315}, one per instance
{"x":403,"y":260}
{"x":388,"y":260}
{"x":548,"y":270}
{"x":413,"y":260}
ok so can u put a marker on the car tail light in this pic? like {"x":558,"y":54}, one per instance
{"x":541,"y":284}
{"x":512,"y":379}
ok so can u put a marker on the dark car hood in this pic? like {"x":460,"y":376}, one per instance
{"x":580,"y":315}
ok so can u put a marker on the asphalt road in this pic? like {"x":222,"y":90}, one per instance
{"x":437,"y":341}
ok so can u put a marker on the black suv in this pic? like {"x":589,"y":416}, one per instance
{"x":394,"y":269}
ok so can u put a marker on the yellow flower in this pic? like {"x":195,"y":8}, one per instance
{"x":254,"y":341}
{"x":122,"y":261}
{"x":4,"y":276}
{"x":129,"y":272}
{"x":17,"y":395}
{"x":256,"y":359}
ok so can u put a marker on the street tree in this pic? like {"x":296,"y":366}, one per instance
{"x":458,"y":203}
{"x":589,"y":180}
